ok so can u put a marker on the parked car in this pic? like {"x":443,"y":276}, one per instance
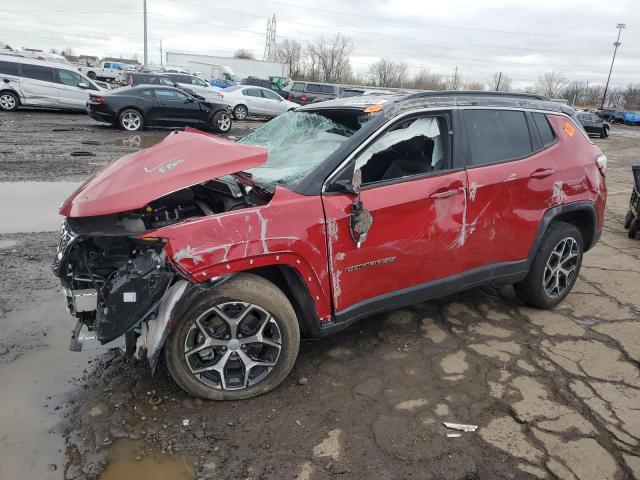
{"x":256,"y":101}
{"x":144,"y":78}
{"x":631,"y":118}
{"x":108,"y":71}
{"x":36,"y":83}
{"x":303,"y":93}
{"x":323,"y":217}
{"x":194,"y":84}
{"x":357,"y":92}
{"x":593,"y":124}
{"x":138,"y":107}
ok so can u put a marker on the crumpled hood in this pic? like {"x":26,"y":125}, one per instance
{"x":179,"y":161}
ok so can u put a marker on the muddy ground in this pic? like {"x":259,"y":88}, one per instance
{"x":556,"y":394}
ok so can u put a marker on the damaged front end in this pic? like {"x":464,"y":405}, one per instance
{"x":118,"y":280}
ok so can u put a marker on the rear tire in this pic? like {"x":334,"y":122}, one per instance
{"x":92,"y":75}
{"x":627,"y":219}
{"x":240,"y":112}
{"x":555,"y":267}
{"x":131,"y":120}
{"x":221,"y":122}
{"x":265,"y":320}
{"x":9,"y":101}
{"x":633,"y":228}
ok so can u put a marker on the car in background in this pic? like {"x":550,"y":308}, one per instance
{"x":108,"y":71}
{"x":143,"y":78}
{"x":304,"y":93}
{"x":593,"y":124}
{"x":37,"y":83}
{"x":356,"y":92}
{"x":194,"y":84}
{"x":138,"y":107}
{"x":256,"y":101}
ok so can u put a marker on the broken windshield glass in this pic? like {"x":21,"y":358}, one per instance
{"x":297,"y":142}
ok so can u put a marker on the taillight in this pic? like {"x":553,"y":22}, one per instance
{"x":303,"y":98}
{"x":130,"y":81}
{"x":96,"y":99}
{"x":601,"y":162}
{"x":289,"y":97}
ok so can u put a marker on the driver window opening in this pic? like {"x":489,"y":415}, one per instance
{"x":415,"y":146}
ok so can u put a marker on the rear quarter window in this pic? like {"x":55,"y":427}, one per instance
{"x":9,"y":68}
{"x":297,"y":87}
{"x":547,"y":135}
{"x":497,"y":135}
{"x":37,"y":72}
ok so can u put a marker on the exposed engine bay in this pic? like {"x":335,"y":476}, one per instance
{"x":113,"y":278}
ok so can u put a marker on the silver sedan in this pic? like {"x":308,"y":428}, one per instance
{"x":245,"y":100}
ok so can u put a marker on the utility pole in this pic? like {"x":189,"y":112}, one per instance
{"x":616,"y":44}
{"x":160,"y":52}
{"x":146,"y":51}
{"x":498,"y":85}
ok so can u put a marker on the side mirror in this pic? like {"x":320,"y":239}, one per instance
{"x":360,"y":221}
{"x":84,"y":85}
{"x":345,"y":186}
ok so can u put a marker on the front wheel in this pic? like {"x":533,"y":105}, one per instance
{"x":237,"y":341}
{"x":554,"y":269}
{"x":8,"y":101}
{"x":131,"y":120}
{"x":221,"y":122}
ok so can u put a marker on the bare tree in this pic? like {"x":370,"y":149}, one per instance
{"x":328,"y":58}
{"x":290,"y":51}
{"x":54,"y":51}
{"x":244,"y":53}
{"x":632,"y":97}
{"x":551,"y":84}
{"x":573,"y":93}
{"x":499,"y":82}
{"x":454,"y":81}
{"x":68,"y":51}
{"x":474,"y":85}
{"x":592,"y":95}
{"x":388,"y":73}
{"x":425,"y":80}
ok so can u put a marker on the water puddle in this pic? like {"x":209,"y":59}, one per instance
{"x":32,"y":206}
{"x":123,"y":465}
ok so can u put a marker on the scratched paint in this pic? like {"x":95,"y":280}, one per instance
{"x":558,"y":196}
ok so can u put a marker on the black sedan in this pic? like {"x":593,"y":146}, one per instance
{"x":593,"y":124}
{"x":138,"y":107}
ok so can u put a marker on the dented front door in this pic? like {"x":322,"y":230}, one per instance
{"x":413,"y":238}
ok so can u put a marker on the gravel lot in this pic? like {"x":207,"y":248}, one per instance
{"x":555,"y":393}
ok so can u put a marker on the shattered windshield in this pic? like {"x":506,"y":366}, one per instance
{"x":297,"y":143}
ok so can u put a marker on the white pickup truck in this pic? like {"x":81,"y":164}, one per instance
{"x":107,"y":71}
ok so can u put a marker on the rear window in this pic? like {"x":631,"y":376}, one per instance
{"x":544,"y":129}
{"x":298,"y":87}
{"x":327,"y":89}
{"x":497,"y":135}
{"x":9,"y":68}
{"x":314,"y":88}
{"x":37,"y":72}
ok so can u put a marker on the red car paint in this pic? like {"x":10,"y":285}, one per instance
{"x":180,"y":160}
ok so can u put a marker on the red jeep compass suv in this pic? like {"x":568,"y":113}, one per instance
{"x":219,"y":253}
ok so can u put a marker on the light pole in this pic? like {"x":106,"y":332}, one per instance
{"x":146,"y":52}
{"x":616,"y":44}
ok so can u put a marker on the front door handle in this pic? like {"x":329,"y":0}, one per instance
{"x":542,"y":173}
{"x":439,"y":194}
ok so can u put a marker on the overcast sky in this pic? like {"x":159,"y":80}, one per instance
{"x":521,"y":39}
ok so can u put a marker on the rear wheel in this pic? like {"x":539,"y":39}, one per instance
{"x":555,"y":267}
{"x":8,"y":101}
{"x":240,"y":112}
{"x":91,"y":75}
{"x":237,"y":341}
{"x":221,"y":122}
{"x":627,"y":219}
{"x":633,"y":228}
{"x":131,"y":120}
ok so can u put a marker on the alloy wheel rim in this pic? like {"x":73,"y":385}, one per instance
{"x":224,"y":122}
{"x":241,"y":113}
{"x":7,"y":101}
{"x":560,"y":268}
{"x":131,"y":121}
{"x":233,"y":346}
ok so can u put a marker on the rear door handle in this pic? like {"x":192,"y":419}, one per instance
{"x":542,"y":173}
{"x":438,"y":195}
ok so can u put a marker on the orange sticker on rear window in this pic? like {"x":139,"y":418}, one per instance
{"x":570,"y":129}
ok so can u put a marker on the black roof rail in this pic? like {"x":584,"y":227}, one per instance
{"x":475,"y":93}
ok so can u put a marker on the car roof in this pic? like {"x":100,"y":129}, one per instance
{"x":403,"y":101}
{"x":35,"y":61}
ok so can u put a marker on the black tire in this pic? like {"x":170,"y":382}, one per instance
{"x":532,"y":289}
{"x":633,"y":228}
{"x":627,"y":219}
{"x":240,"y":112}
{"x":249,"y":289}
{"x":9,"y":101}
{"x":221,"y":122}
{"x":603,"y":134}
{"x":92,"y":75}
{"x":126,"y":120}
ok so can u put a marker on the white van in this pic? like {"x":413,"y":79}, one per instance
{"x":37,"y":83}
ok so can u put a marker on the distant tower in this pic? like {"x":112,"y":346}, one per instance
{"x":270,"y":41}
